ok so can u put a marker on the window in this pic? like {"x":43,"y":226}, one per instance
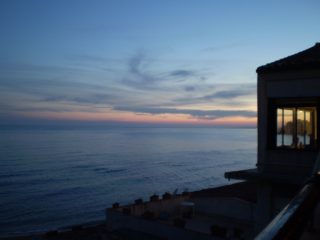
{"x":296,"y":127}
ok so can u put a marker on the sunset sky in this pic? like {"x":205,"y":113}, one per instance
{"x":144,"y":61}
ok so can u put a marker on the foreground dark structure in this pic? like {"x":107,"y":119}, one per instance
{"x":292,"y":93}
{"x":288,"y":136}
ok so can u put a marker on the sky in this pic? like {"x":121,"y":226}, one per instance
{"x":144,"y":61}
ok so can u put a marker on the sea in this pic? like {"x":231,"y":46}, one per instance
{"x":54,"y":177}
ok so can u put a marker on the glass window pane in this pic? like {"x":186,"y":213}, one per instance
{"x":279,"y":127}
{"x":288,"y":127}
{"x":300,"y":128}
{"x":296,"y":127}
{"x":308,"y":127}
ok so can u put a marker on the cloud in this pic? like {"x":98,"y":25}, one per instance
{"x":203,"y":114}
{"x":32,"y":77}
{"x":189,"y":88}
{"x":182,"y":73}
{"x":228,"y":94}
{"x":135,"y":64}
{"x":234,"y":92}
{"x":138,"y":77}
{"x":42,"y":88}
{"x":36,"y":83}
{"x":23,"y":68}
{"x":89,"y":99}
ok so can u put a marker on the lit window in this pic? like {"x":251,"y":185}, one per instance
{"x":296,"y":127}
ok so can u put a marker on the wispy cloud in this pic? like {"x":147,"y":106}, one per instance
{"x":141,"y":90}
{"x":234,"y":92}
{"x":18,"y":68}
{"x":228,"y":94}
{"x":189,"y":88}
{"x":203,"y":114}
{"x":141,"y":76}
{"x":182,"y":73}
{"x":89,"y":99}
{"x":138,"y":77}
{"x":135,"y":64}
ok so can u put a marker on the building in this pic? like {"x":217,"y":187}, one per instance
{"x":288,"y":136}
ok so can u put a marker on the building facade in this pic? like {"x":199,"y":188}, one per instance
{"x":288,"y":135}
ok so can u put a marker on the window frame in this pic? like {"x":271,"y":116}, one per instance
{"x":295,"y":104}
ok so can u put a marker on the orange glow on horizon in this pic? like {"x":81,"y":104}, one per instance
{"x":129,"y":117}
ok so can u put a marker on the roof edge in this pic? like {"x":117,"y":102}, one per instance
{"x":306,"y":59}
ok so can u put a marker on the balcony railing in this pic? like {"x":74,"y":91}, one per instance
{"x":290,"y":223}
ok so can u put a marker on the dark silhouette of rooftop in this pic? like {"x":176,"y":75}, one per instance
{"x":243,"y":190}
{"x":307,"y":59}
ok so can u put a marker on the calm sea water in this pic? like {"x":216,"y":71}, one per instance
{"x":50,"y":178}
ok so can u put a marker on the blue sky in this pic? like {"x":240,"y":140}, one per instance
{"x":144,"y":61}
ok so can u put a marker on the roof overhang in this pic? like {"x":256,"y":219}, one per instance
{"x":271,"y":177}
